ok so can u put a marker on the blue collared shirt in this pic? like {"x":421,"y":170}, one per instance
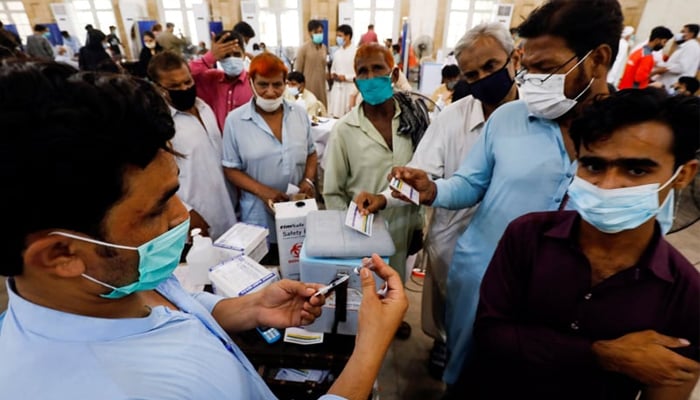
{"x":518,"y":165}
{"x":251,"y":147}
{"x":48,"y":354}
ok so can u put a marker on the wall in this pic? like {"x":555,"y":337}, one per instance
{"x":672,"y":14}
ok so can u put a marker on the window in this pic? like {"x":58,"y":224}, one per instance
{"x":181,"y":14}
{"x":12,"y":13}
{"x":280,"y":23}
{"x":98,"y":13}
{"x":381,"y":13}
{"x":463,"y":15}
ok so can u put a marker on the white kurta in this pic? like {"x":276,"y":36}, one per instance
{"x":618,"y":66}
{"x":343,"y":64}
{"x":685,"y":61}
{"x":203,"y":186}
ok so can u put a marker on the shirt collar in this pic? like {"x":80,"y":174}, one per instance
{"x":356,"y":114}
{"x":475,"y":115}
{"x":565,"y":228}
{"x":199,"y":103}
{"x":249,"y":109}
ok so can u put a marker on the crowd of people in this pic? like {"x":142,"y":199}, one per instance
{"x":546,"y":185}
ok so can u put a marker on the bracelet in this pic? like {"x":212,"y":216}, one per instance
{"x":310,"y":182}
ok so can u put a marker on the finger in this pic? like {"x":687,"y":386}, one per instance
{"x":388,"y":274}
{"x":213,"y":35}
{"x":669,"y":341}
{"x":368,"y":285}
{"x":222,"y":38}
{"x":398,"y":195}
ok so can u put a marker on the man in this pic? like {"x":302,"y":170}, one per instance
{"x":485,"y":56}
{"x":245,"y":30}
{"x":311,"y":61}
{"x":10,"y":36}
{"x":442,"y":95}
{"x":522,"y":162}
{"x":297,"y":92}
{"x":227,"y":88}
{"x":94,"y":310}
{"x":203,"y":186}
{"x":622,"y":53}
{"x":370,"y":36}
{"x":596,"y":304}
{"x":686,"y":86}
{"x":38,"y":45}
{"x":342,"y":72}
{"x":72,"y":44}
{"x":114,"y":43}
{"x":685,"y":61}
{"x":641,"y":62}
{"x":168,"y":41}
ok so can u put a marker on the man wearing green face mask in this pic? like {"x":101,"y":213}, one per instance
{"x":311,"y":61}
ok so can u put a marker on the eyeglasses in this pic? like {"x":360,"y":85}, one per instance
{"x":520,"y":75}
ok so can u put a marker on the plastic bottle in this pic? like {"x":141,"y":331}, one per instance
{"x":200,"y":258}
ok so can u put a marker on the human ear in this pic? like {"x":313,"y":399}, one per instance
{"x":602,"y":60}
{"x":55,"y":255}
{"x":686,"y":175}
{"x":394,"y":75}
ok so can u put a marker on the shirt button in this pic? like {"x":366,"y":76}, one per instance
{"x":574,"y":325}
{"x":568,"y":175}
{"x":588,"y":296}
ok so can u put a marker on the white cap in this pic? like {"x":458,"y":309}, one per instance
{"x":628,"y":30}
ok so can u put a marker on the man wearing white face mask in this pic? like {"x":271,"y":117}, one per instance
{"x":227,"y":88}
{"x":597,"y":300}
{"x":523,"y":160}
{"x":267,"y":146}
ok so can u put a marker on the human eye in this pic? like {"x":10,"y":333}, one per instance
{"x":637,"y":172}
{"x":593,"y":166}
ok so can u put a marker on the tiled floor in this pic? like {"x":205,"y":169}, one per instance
{"x":404,"y":375}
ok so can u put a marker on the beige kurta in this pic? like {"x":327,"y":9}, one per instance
{"x":311,"y":61}
{"x":358,"y":159}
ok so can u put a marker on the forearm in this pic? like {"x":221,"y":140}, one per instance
{"x":243,"y":181}
{"x":311,"y":165}
{"x":681,"y":392}
{"x":456,"y":193}
{"x":238,"y":314}
{"x":360,"y":372}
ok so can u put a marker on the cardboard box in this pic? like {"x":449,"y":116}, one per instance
{"x":240,"y":276}
{"x":323,"y":270}
{"x":245,"y":239}
{"x":290,"y":222}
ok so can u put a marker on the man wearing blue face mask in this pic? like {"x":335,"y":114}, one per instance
{"x":227,"y":88}
{"x":488,"y":63}
{"x":312,"y":59}
{"x":38,"y":46}
{"x":94,"y":309}
{"x":524,"y":159}
{"x":594,"y":303}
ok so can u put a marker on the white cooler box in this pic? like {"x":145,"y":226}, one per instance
{"x":331,"y":249}
{"x":243,"y":238}
{"x":290,"y":222}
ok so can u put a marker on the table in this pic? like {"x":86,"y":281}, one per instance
{"x":320,"y":132}
{"x":331,"y":355}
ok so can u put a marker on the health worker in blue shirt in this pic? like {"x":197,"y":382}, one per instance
{"x":523,"y":161}
{"x":97,"y":229}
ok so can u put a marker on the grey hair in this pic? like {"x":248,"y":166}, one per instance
{"x":496,"y":30}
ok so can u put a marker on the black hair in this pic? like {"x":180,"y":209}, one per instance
{"x":583,"y":24}
{"x":634,"y":106}
{"x":244,"y":29}
{"x":450,"y":71}
{"x":95,"y":38}
{"x":370,"y":26}
{"x":232,"y":35}
{"x":313,"y":25}
{"x":63,"y":168}
{"x":660,"y":32}
{"x":345,"y":30}
{"x":40,"y":28}
{"x":296,"y":76}
{"x":163,"y":62}
{"x":396,"y":47}
{"x":149,"y":34}
{"x":691,"y":83}
{"x":169,"y":25}
{"x":693,"y":28}
{"x":88,"y":27}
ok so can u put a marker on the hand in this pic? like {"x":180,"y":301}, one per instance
{"x":269,"y":195}
{"x":380,"y":316}
{"x":340,"y":78}
{"x":645,"y":356}
{"x":289,"y":303}
{"x":369,"y":203}
{"x":221,"y":50}
{"x":308,"y":189}
{"x":197,"y":221}
{"x":419,"y":180}
{"x":334,"y":76}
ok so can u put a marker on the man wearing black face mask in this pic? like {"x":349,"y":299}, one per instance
{"x":487,"y":61}
{"x":641,"y":62}
{"x":203,"y":187}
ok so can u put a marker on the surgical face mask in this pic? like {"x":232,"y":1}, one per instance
{"x":544,"y":93}
{"x":293,"y":90}
{"x":46,"y":34}
{"x":232,"y":66}
{"x":150,"y":45}
{"x":679,"y":37}
{"x":183,"y":100}
{"x":317,"y":38}
{"x":267,"y":105}
{"x":158,"y":258}
{"x":493,"y":88}
{"x":375,"y":90}
{"x":616,"y":210}
{"x":450,"y":85}
{"x":340,"y":41}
